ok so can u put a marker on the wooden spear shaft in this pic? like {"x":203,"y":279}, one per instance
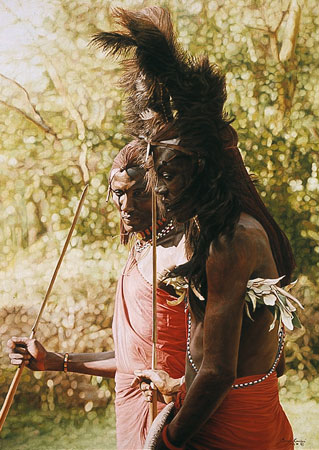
{"x":153,"y":405}
{"x":16,"y":379}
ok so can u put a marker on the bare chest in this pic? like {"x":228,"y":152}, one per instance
{"x":167,"y":258}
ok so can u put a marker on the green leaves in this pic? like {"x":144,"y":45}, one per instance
{"x":278,"y":300}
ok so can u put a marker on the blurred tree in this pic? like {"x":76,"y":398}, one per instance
{"x":264,"y":48}
{"x":65,"y":119}
{"x":61,"y":123}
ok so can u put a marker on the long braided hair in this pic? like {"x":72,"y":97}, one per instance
{"x":224,"y":189}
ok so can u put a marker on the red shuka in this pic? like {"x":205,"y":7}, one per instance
{"x":132,"y":332}
{"x":249,"y":418}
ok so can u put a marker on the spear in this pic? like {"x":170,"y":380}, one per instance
{"x":16,"y":379}
{"x":153,"y":404}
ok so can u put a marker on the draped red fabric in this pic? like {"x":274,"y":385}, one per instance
{"x":132,"y":332}
{"x":249,"y":418}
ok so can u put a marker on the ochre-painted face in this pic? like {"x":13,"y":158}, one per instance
{"x":131,"y":199}
{"x":174,"y":171}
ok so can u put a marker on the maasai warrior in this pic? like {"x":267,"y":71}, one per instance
{"x":132,"y":322}
{"x":238,"y":255}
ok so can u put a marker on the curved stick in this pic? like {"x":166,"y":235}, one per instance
{"x":16,"y":379}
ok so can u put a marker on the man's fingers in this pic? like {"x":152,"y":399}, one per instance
{"x":19,"y":356}
{"x":18,"y":362}
{"x":148,"y":395}
{"x":20,"y":340}
{"x":138,"y":380}
{"x":145,"y":386}
{"x":15,"y":341}
{"x":21,"y":350}
{"x":135,"y":382}
{"x":147,"y":373}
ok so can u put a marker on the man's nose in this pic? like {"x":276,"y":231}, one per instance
{"x":127,"y":203}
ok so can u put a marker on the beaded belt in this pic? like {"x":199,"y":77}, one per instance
{"x":281,"y":343}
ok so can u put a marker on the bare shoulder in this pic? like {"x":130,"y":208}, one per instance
{"x":248,"y":234}
{"x":240,"y":255}
{"x":249,"y":223}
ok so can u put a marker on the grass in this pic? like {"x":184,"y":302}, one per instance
{"x":57,"y":431}
{"x":60,"y":429}
{"x":304,"y":420}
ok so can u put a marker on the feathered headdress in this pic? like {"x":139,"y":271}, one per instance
{"x":170,"y":94}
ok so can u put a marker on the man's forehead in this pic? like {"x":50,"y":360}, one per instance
{"x":127,"y":178}
{"x":165,"y":155}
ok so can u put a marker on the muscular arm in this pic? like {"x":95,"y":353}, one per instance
{"x":37,"y":358}
{"x":228,"y":269}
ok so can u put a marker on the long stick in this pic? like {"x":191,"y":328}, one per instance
{"x":153,"y":405}
{"x":16,"y":379}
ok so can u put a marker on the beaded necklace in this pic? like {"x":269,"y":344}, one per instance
{"x":161,"y":233}
{"x":146,"y":234}
{"x":281,"y":342}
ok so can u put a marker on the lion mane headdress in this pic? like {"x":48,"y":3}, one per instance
{"x":176,"y":100}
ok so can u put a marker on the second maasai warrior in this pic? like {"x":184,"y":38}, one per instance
{"x":132,"y":323}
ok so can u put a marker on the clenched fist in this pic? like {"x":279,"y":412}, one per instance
{"x":29,"y":351}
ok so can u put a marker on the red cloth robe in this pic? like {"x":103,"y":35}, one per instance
{"x":249,"y":418}
{"x":132,"y":332}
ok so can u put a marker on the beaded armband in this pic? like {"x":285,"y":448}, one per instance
{"x":65,"y":362}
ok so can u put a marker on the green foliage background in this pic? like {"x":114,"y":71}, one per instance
{"x":61,"y":121}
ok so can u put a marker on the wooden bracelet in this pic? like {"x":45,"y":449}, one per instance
{"x":166,"y":441}
{"x":65,"y":362}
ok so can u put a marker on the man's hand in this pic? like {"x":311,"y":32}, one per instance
{"x":166,"y":385}
{"x":30,"y":351}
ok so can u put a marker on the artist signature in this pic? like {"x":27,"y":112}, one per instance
{"x":296,"y":442}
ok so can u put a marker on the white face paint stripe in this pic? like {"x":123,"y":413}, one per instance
{"x":175,"y":141}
